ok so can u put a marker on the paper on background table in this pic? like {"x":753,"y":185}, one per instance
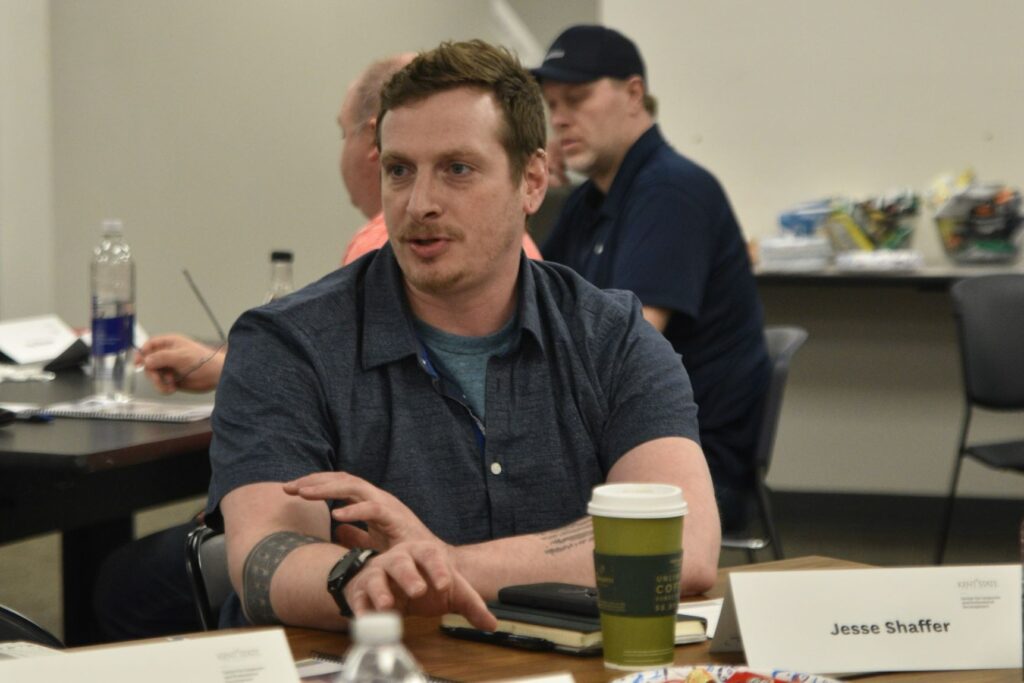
{"x":253,"y":657}
{"x":137,"y":409}
{"x":36,"y":339}
{"x":787,"y":618}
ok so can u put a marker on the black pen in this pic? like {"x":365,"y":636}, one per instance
{"x":499,"y":638}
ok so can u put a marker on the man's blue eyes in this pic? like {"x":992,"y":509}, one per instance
{"x":402,"y":171}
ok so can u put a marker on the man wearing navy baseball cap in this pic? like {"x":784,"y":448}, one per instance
{"x":651,"y":221}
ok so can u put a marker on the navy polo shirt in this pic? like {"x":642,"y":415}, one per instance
{"x":333,"y":378}
{"x":666,"y":232}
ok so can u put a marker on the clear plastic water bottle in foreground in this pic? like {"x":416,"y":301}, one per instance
{"x":112,"y":274}
{"x":377,"y":653}
{"x":280,"y":275}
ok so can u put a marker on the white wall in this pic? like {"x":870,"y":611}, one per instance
{"x":26,"y":179}
{"x":209,"y":128}
{"x":792,"y":100}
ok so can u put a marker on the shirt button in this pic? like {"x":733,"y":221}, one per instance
{"x":495,"y":468}
{"x":598,"y":249}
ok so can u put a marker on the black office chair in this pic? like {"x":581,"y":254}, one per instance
{"x":989,"y":314}
{"x":783,"y":343}
{"x":15,"y":626}
{"x":206,"y":559}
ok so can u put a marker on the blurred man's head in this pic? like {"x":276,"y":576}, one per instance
{"x":594,"y":83}
{"x":461,"y":138}
{"x":358,"y":123}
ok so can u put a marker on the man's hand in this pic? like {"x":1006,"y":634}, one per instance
{"x":417,"y":578}
{"x":174,"y":361}
{"x":415,"y":572}
{"x":388,"y":520}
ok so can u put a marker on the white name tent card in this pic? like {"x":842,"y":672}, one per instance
{"x":877,"y":619}
{"x":251,"y":657}
{"x":35,"y":340}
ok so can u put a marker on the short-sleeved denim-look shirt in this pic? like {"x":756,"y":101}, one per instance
{"x":333,"y":378}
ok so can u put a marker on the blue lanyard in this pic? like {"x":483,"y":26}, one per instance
{"x":479,"y":430}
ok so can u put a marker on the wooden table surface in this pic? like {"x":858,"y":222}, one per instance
{"x":461,"y":660}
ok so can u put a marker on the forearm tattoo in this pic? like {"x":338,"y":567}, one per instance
{"x":263,"y":560}
{"x":580,"y":532}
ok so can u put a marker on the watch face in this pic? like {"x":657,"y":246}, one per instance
{"x":339,"y":569}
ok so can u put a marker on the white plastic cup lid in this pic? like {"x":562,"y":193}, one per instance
{"x":637,"y":501}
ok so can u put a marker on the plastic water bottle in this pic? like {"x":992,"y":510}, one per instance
{"x":280,"y":275}
{"x":377,"y":654}
{"x":112,"y":274}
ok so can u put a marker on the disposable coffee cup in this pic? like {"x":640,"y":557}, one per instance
{"x":638,"y":531}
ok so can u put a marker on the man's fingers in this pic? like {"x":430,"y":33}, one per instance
{"x":363,"y":511}
{"x":164,"y":359}
{"x":162,"y":380}
{"x":377,"y":588}
{"x":467,"y":602}
{"x":434,"y":562}
{"x":359,"y":602}
{"x":353,"y":537}
{"x":406,"y":576}
{"x":156,"y":343}
{"x":330,"y":485}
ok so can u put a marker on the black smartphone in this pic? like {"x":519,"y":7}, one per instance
{"x":559,"y":597}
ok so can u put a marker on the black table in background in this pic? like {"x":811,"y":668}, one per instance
{"x":928,"y":278}
{"x":85,"y":478}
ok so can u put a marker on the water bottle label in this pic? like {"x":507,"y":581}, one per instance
{"x":113,"y":335}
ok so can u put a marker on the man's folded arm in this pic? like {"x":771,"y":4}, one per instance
{"x":566,"y":554}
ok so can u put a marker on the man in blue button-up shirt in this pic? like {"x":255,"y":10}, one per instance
{"x":457,"y":398}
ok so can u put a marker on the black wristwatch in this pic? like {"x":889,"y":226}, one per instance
{"x":343,"y":572}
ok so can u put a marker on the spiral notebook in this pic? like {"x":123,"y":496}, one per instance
{"x":141,"y":411}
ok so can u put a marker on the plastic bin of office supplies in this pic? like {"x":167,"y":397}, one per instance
{"x":884,"y":222}
{"x":805,"y":219}
{"x":978,"y":223}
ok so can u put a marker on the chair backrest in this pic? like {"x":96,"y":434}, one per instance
{"x":989,"y":314}
{"x":15,"y":626}
{"x":782,"y":343}
{"x":206,"y":558}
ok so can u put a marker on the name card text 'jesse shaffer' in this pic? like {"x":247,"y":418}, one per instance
{"x":890,"y":627}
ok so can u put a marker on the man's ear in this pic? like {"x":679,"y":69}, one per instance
{"x":371,"y":130}
{"x":535,"y":182}
{"x":635,"y":88}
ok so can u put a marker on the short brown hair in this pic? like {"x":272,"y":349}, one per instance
{"x":481,"y":65}
{"x":650,"y":103}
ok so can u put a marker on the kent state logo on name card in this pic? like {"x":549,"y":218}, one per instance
{"x":875,"y":619}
